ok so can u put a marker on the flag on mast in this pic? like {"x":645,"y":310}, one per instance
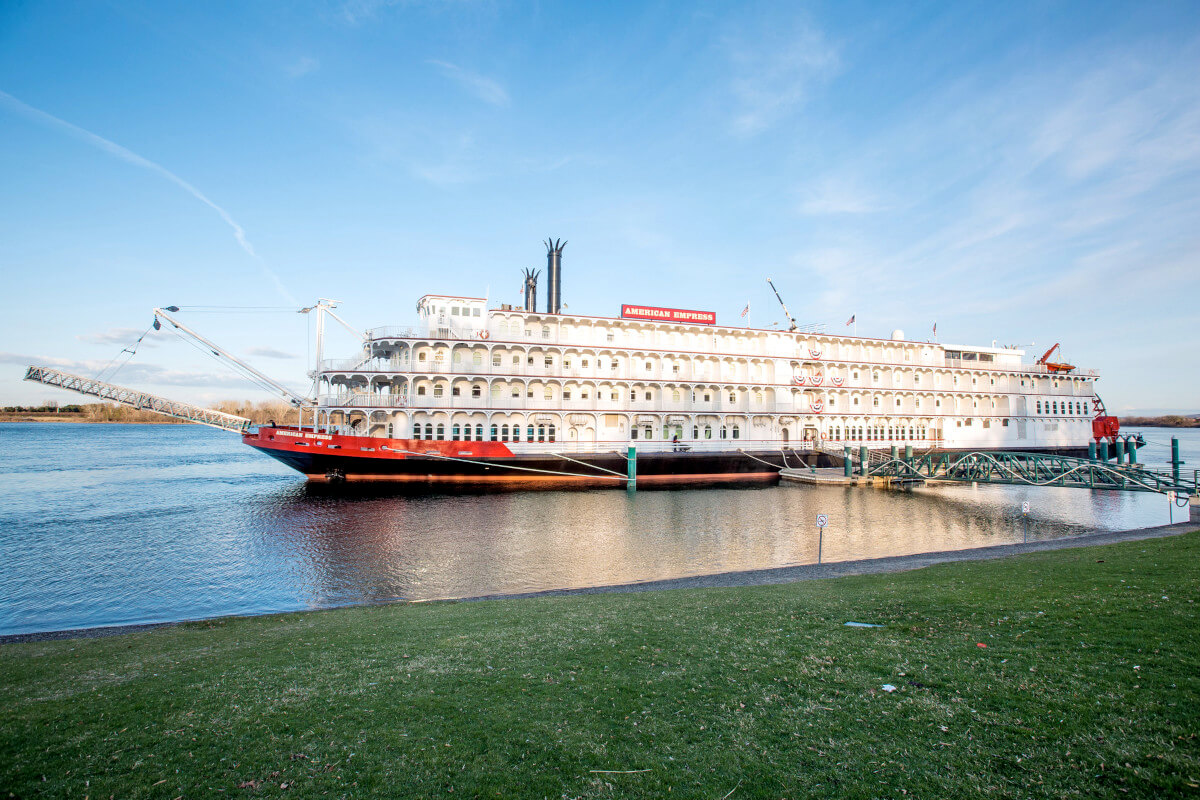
{"x":850,"y":321}
{"x":745,"y":310}
{"x":935,"y":329}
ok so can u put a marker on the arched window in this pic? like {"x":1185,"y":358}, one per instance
{"x":416,"y":434}
{"x":550,"y":432}
{"x":456,"y":432}
{"x":476,"y":391}
{"x":421,"y":391}
{"x":529,"y":434}
{"x":504,"y":433}
{"x":494,"y":433}
{"x":429,"y":430}
{"x":441,"y":432}
{"x":477,"y":358}
{"x":737,"y":432}
{"x":479,"y":433}
{"x":541,"y":433}
{"x":724,"y":432}
{"x":708,"y":431}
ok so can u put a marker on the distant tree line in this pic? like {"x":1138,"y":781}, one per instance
{"x":258,"y":413}
{"x":1169,"y":421}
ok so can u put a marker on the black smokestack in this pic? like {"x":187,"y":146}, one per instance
{"x":531,"y":278}
{"x":554,"y":250}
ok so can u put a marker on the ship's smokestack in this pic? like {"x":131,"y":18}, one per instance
{"x":554,"y":250}
{"x":531,"y":279}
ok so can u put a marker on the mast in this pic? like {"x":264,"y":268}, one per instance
{"x":245,"y":369}
{"x":785,"y":311}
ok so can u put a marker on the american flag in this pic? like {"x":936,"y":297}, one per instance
{"x":746,"y":310}
{"x":851,"y":320}
{"x":935,"y":329}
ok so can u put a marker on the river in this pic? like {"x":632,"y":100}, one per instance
{"x":125,"y":524}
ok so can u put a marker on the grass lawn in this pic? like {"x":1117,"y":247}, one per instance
{"x":1073,"y":673}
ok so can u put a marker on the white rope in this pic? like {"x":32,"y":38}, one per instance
{"x":591,"y":466}
{"x":759,"y":460}
{"x":505,"y":466}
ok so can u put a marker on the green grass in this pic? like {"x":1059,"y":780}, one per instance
{"x":1088,"y":687}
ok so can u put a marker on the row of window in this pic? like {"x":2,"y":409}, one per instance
{"x":1054,"y":407}
{"x":499,"y":433}
{"x":878,"y":433}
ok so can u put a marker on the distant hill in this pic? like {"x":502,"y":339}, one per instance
{"x":1169,"y":421}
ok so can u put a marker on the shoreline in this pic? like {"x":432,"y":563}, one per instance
{"x":720,"y":580}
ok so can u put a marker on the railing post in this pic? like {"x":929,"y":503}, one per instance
{"x":1176,"y":461}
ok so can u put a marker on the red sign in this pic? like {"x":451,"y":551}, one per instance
{"x":669,"y":314}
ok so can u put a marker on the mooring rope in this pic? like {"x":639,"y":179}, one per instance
{"x":507,"y":466}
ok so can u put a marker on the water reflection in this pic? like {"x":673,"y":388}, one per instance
{"x":373,"y":544}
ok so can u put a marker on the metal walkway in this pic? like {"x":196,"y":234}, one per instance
{"x":136,"y":399}
{"x":1034,"y":469}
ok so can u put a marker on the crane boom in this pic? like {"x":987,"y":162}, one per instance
{"x":245,"y":369}
{"x":786,"y":313}
{"x":136,"y":399}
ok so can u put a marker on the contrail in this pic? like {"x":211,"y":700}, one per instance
{"x":112,"y":148}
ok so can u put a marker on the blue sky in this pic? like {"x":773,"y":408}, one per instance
{"x":1015,"y":172}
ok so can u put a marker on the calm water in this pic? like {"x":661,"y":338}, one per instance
{"x":119,"y":524}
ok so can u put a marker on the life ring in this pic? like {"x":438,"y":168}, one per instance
{"x":822,"y":435}
{"x":484,"y":334}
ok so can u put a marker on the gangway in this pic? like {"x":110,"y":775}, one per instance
{"x":1034,"y":469}
{"x":135,"y":399}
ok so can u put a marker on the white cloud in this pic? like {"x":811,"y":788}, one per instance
{"x":305,"y":65}
{"x":483,"y":87}
{"x":125,"y":337}
{"x":129,"y":156}
{"x":774,"y":73}
{"x":268,"y":352}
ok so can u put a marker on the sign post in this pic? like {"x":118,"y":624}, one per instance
{"x":822,"y":521}
{"x":1025,"y":518}
{"x":1171,"y":505}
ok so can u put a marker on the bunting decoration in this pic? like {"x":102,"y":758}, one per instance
{"x":837,"y":380}
{"x":817,"y":405}
{"x":799,"y":380}
{"x":815,"y":353}
{"x":816,"y":379}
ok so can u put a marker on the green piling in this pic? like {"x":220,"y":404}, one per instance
{"x":847,"y":466}
{"x":864,"y":456}
{"x":631,"y":468}
{"x":1120,"y":452}
{"x":1092,"y":450}
{"x":1176,"y":461}
{"x":1103,"y":454}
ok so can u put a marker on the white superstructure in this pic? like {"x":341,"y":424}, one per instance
{"x":562,"y":381}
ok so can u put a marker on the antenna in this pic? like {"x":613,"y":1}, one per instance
{"x":786,"y":313}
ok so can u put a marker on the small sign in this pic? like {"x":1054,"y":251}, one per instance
{"x":822,"y":520}
{"x":1171,"y":495}
{"x":1025,"y":507}
{"x":668,"y":314}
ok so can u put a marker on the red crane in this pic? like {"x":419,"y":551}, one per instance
{"x":1054,"y":366}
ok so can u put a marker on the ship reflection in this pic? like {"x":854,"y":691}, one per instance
{"x":359,"y":543}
